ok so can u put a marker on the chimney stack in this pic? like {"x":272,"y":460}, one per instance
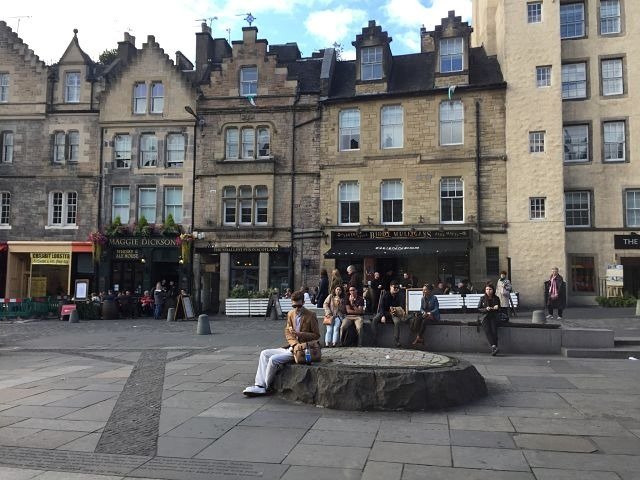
{"x":127,"y":48}
{"x":427,"y":43}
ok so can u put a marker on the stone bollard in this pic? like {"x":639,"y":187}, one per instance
{"x":204,"y":328}
{"x":171,"y":314}
{"x":638,"y":308}
{"x":538,"y":317}
{"x":74,"y":317}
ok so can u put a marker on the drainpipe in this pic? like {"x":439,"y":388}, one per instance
{"x":293,"y":188}
{"x":478,"y":196}
{"x":100,"y":202}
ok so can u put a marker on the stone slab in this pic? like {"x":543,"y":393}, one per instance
{"x":275,"y":419}
{"x":587,"y":337}
{"x":472,"y":422}
{"x":583,"y":461}
{"x":555,"y":474}
{"x":296,"y":472}
{"x":411,"y":453}
{"x":382,"y":471}
{"x":202,"y":427}
{"x":37,"y":411}
{"x":489,"y":458}
{"x":327,"y":456}
{"x":181,"y":447}
{"x":535,"y":382}
{"x":365,"y":425}
{"x":339,"y":438}
{"x":414,"y":433}
{"x":475,"y":438}
{"x":558,"y":443}
{"x":422,"y":472}
{"x":618,"y":445}
{"x":555,"y":426}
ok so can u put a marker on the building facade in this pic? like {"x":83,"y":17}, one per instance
{"x":571,"y":126}
{"x":412,"y":169}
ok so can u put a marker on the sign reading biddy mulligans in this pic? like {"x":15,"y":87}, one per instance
{"x":401,"y":235}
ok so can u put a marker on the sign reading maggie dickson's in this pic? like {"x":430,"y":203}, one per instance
{"x":137,"y":242}
{"x":401,"y":234}
{"x":626,"y":241}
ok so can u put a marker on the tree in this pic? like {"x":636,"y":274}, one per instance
{"x":108,"y":56}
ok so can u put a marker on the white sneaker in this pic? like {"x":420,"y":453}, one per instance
{"x":559,"y":317}
{"x":548,"y":317}
{"x":254,"y":391}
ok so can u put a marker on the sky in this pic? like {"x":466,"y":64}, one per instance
{"x":47,"y":26}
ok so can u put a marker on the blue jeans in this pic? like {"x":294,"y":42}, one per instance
{"x":333,"y":332}
{"x":157,"y":311}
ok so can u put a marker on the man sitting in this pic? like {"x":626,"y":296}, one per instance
{"x":301,"y":327}
{"x":355,"y":309}
{"x":390,"y":308}
{"x":429,"y":311}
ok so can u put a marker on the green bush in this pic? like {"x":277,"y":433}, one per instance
{"x":626,"y":301}
{"x":239,"y":291}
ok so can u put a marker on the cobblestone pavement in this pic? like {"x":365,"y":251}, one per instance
{"x":144,"y":399}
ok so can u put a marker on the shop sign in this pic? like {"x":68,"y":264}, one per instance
{"x":626,"y":241}
{"x":126,"y":254}
{"x":242,"y":249}
{"x":614,"y":275}
{"x":61,"y":258}
{"x":401,"y":234}
{"x":138,"y":242}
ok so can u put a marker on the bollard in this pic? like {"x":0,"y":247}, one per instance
{"x":74,"y":317}
{"x":203,"y":325}
{"x":637,"y":308}
{"x":538,"y":317}
{"x":171,"y":314}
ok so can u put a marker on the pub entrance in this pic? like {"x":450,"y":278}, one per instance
{"x":128,"y":275}
{"x":631,"y":269}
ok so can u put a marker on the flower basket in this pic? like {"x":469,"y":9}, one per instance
{"x":98,"y":240}
{"x":185,"y":240}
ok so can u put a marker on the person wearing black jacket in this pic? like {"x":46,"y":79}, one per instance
{"x":490,"y":306}
{"x":323,"y":288}
{"x":390,"y":309}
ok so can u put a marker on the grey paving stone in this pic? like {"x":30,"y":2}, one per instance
{"x":327,"y":456}
{"x":10,"y":473}
{"x":253,"y":444}
{"x":583,"y":461}
{"x":99,"y":412}
{"x":202,"y":427}
{"x":6,"y":421}
{"x":420,"y":472}
{"x":180,"y":446}
{"x":202,"y":400}
{"x":231,"y":410}
{"x":554,"y":474}
{"x":45,"y":398}
{"x":489,"y":458}
{"x":605,"y":428}
{"x":426,"y":417}
{"x":321,"y":473}
{"x":526,"y":400}
{"x":193,"y":386}
{"x":275,"y":419}
{"x":483,"y":423}
{"x":401,"y":432}
{"x":104,"y":387}
{"x":495,"y":411}
{"x":537,"y":382}
{"x":84,"y":399}
{"x":48,"y":439}
{"x":475,"y":438}
{"x":172,"y":417}
{"x":9,"y":435}
{"x":87,"y":443}
{"x":411,"y":453}
{"x":347,"y":424}
{"x":38,"y":411}
{"x":558,"y":443}
{"x":618,"y":445}
{"x":339,"y":438}
{"x":58,"y":424}
{"x":382,"y":471}
{"x":564,"y":366}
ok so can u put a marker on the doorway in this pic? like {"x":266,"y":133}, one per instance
{"x":631,"y":269}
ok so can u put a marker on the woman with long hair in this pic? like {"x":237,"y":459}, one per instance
{"x":335,"y":311}
{"x":490,"y":306}
{"x":335,"y":280}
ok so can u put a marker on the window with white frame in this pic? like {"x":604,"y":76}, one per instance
{"x":73,"y":139}
{"x":140,"y":98}
{"x":392,"y":126}
{"x":72,"y":87}
{"x":576,"y":143}
{"x":451,"y":55}
{"x":147,"y":204}
{"x":245,"y":205}
{"x":536,"y":142}
{"x":248,"y":150}
{"x":611,"y":74}
{"x":66,"y":146}
{"x":574,"y":80}
{"x":122,"y":151}
{"x":231,"y":143}
{"x":371,"y":63}
{"x":451,"y":200}
{"x":148,"y":150}
{"x":4,"y":87}
{"x":534,"y":12}
{"x":63,"y":208}
{"x":632,"y":208}
{"x":248,"y":81}
{"x":614,"y":138}
{"x":264,"y":142}
{"x":609,"y":17}
{"x":247,"y":142}
{"x":59,"y":146}
{"x":572,"y":21}
{"x":350,"y":129}
{"x":391,"y":194}
{"x":6,"y":147}
{"x":349,"y":203}
{"x":157,"y":97}
{"x":229,"y":205}
{"x":120,"y":204}
{"x":175,"y":150}
{"x":537,"y":208}
{"x":262,"y":205}
{"x":5,"y":208}
{"x":173,"y":203}
{"x":451,"y":123}
{"x":577,"y":208}
{"x":543,"y":76}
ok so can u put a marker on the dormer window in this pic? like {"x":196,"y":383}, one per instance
{"x":451,"y":55}
{"x":72,"y":87}
{"x":371,"y":63}
{"x":248,"y":81}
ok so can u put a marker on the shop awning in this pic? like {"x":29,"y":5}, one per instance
{"x":404,"y":248}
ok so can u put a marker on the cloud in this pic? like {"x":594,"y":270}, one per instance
{"x":410,"y":39}
{"x":336,"y":25}
{"x":413,"y":13}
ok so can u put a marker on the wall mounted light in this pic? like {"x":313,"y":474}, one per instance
{"x":143,"y":260}
{"x":369,"y":220}
{"x":420,"y":219}
{"x":180,"y":260}
{"x":200,"y":121}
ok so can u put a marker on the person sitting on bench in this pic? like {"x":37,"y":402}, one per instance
{"x":429,"y":310}
{"x":391,"y":308}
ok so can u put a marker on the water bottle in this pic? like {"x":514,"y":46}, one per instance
{"x":307,"y":355}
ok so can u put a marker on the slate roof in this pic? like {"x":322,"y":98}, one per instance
{"x":307,"y":72}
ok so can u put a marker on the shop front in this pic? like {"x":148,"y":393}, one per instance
{"x":137,"y":263}
{"x":629,"y":259}
{"x":46,"y":269}
{"x":428,"y":255}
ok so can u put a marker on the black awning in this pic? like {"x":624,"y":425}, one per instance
{"x":401,"y":248}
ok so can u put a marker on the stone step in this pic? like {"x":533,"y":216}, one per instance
{"x":616,"y":352}
{"x":626,"y":341}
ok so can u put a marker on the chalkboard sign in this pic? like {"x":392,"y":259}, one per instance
{"x":184,"y":308}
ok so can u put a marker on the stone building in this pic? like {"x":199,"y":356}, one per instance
{"x":146,"y":161}
{"x":49,"y":177}
{"x":257,"y":166}
{"x":573,"y":190}
{"x":412,"y":158}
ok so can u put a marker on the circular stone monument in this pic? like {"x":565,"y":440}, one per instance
{"x":381,"y":379}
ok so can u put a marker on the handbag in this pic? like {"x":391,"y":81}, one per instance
{"x":327,"y":320}
{"x":314,"y":349}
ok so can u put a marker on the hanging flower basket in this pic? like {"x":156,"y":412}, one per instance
{"x":185,"y":240}
{"x":98,"y":240}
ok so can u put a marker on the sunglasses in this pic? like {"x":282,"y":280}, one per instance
{"x":296,"y":305}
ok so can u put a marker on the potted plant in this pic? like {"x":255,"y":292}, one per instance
{"x":143,"y":228}
{"x":116,"y":228}
{"x":170,"y":228}
{"x":98,"y":240}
